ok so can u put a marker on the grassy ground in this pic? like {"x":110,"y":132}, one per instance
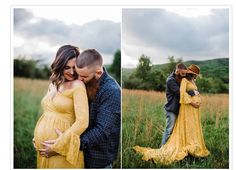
{"x":27,"y":109}
{"x":27,"y":97}
{"x":143,"y":123}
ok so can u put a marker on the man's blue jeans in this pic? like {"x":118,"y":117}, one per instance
{"x":108,"y":166}
{"x":170,"y":123}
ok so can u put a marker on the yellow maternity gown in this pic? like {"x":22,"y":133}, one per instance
{"x":68,"y":112}
{"x":186,"y":138}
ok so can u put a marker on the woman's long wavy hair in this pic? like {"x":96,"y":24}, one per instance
{"x":63,"y":55}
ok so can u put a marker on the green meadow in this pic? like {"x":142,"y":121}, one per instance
{"x":143,"y":123}
{"x":27,"y":109}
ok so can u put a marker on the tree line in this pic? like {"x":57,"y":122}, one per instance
{"x":214,"y":76}
{"x":34,"y":69}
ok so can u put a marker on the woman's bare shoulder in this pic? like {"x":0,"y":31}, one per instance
{"x":77,"y":83}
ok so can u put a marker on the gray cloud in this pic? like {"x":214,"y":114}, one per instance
{"x":102,"y":35}
{"x":21,"y":16}
{"x":168,"y":33}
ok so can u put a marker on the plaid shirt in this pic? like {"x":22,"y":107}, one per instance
{"x":101,"y":140}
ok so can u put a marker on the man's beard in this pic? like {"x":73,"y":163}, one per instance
{"x":92,"y":87}
{"x":179,"y":76}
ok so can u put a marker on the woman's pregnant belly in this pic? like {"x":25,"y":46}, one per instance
{"x":45,"y":129}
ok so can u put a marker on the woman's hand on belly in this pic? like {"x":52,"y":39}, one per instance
{"x":195,"y":104}
{"x":46,"y":150}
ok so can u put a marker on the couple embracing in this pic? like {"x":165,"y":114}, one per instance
{"x":183,"y":134}
{"x":80,"y":123}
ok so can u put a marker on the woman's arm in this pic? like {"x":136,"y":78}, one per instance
{"x":107,"y":119}
{"x":68,"y":143}
{"x":185,"y":98}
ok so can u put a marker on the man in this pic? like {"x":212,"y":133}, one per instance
{"x":173,"y":96}
{"x":101,"y":140}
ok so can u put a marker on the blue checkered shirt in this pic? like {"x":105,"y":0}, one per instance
{"x":100,"y":141}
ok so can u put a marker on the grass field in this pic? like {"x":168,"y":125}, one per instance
{"x":27,"y":109}
{"x":27,"y":97}
{"x":143,"y":123}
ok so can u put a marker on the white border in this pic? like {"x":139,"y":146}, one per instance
{"x":7,"y":100}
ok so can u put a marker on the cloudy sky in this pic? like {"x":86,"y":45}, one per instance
{"x":193,"y":33}
{"x":40,"y":31}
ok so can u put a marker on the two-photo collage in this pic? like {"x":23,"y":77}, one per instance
{"x":123,"y":87}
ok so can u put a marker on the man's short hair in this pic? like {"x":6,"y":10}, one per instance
{"x":181,"y":66}
{"x":88,"y":58}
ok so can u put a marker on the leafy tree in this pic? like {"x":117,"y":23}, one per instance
{"x":30,"y":68}
{"x":204,"y":84}
{"x":212,"y":85}
{"x":24,"y":67}
{"x":214,"y":75}
{"x":115,"y":68}
{"x":132,"y":82}
{"x":172,"y":64}
{"x":158,"y":80}
{"x":144,"y":67}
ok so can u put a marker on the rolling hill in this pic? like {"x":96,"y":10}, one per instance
{"x":215,"y":68}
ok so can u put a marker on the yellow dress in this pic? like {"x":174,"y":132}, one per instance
{"x":68,"y":112}
{"x":186,"y":138}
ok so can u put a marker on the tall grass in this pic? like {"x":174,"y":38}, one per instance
{"x":27,"y":109}
{"x":27,"y":96}
{"x":143,"y":123}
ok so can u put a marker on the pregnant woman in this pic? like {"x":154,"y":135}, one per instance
{"x":187,"y":137}
{"x":65,"y":108}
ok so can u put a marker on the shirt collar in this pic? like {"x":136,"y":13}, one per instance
{"x":103,"y":76}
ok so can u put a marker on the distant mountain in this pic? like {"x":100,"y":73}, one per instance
{"x":216,"y":68}
{"x":127,"y":71}
{"x":214,"y":76}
